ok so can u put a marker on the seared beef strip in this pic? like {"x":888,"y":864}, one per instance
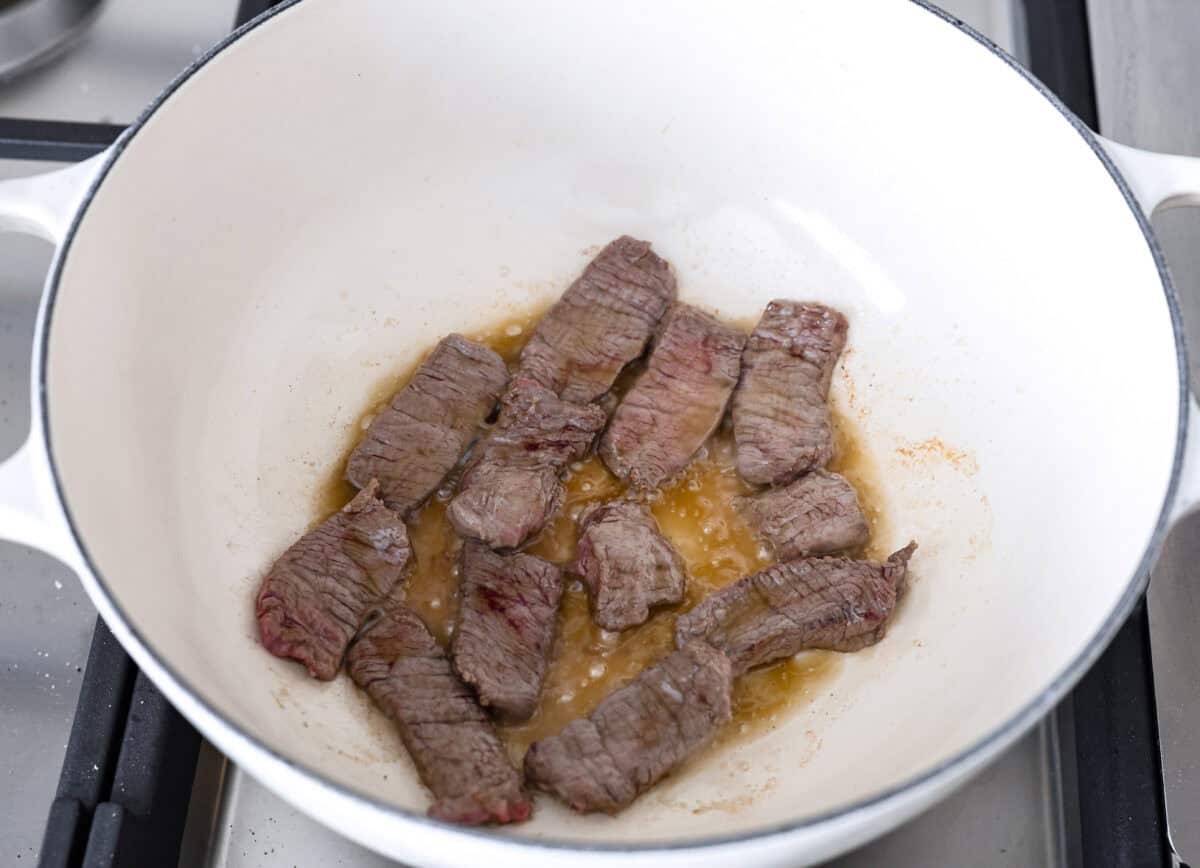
{"x":677,"y":402}
{"x":507,"y":615}
{"x":511,"y":486}
{"x":637,"y":734}
{"x":314,"y":597}
{"x":418,"y":438}
{"x":449,"y":737}
{"x":626,"y":563}
{"x":780,"y":410}
{"x":833,"y":603}
{"x":816,"y":514}
{"x":602,"y":322}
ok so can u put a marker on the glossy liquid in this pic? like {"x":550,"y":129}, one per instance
{"x":695,"y":512}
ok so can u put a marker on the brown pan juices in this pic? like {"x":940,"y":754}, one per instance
{"x":696,"y":514}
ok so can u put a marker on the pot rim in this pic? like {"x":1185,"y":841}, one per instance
{"x":947,"y":771}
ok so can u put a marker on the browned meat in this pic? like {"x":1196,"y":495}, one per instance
{"x":637,"y":734}
{"x":676,"y":403}
{"x":507,"y":615}
{"x":419,"y":437}
{"x":602,"y":322}
{"x":832,"y":603}
{"x":314,"y":597}
{"x":816,"y":514}
{"x":627,"y":564}
{"x":781,"y":423}
{"x":511,"y":486}
{"x":449,"y":737}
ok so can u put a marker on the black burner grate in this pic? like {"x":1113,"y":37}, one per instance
{"x":127,"y":777}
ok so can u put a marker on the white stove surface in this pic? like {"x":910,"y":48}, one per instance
{"x":1010,"y":815}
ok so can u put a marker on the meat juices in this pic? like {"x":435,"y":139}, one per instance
{"x":816,"y":514}
{"x":507,"y":614}
{"x":676,"y":403}
{"x":637,"y":734}
{"x":628,"y":566}
{"x":418,"y":438}
{"x":781,"y":422}
{"x":314,"y":597}
{"x":511,"y":486}
{"x":449,"y":737}
{"x":602,"y":322}
{"x":836,"y":604}
{"x":335,"y":595}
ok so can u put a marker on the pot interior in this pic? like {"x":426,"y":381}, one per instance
{"x":310,"y":211}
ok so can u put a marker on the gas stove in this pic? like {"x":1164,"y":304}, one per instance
{"x":96,"y":768}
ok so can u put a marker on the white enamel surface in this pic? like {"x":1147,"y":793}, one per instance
{"x":44,"y":205}
{"x":1187,"y":497}
{"x":282,"y":237}
{"x":29,"y":510}
{"x":30,"y":514}
{"x":1160,"y":181}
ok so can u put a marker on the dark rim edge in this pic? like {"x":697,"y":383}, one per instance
{"x":987,"y":745}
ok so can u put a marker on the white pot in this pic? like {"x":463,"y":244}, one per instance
{"x":344,"y":181}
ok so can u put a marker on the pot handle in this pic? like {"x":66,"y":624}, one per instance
{"x":30,"y":513}
{"x":29,"y":509}
{"x":1187,"y":497}
{"x":44,"y":205}
{"x":1160,"y":182}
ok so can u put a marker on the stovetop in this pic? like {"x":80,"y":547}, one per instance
{"x":135,"y":785}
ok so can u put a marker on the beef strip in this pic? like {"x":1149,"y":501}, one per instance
{"x":637,"y":734}
{"x":418,"y":438}
{"x":602,"y":322}
{"x":626,"y":563}
{"x":449,"y":737}
{"x":832,"y":603}
{"x":314,"y":597}
{"x":676,"y":403}
{"x":511,"y":486}
{"x":507,"y":614}
{"x":781,"y":423}
{"x":816,"y":514}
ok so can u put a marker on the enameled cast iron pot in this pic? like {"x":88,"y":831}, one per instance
{"x":341,"y":182}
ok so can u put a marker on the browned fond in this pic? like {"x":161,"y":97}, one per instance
{"x":695,"y":513}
